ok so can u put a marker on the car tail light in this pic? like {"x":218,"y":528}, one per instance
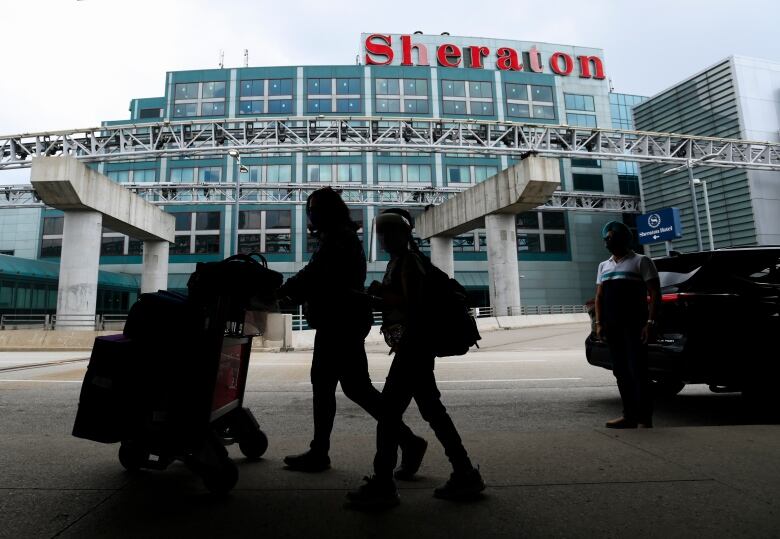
{"x":674,"y":298}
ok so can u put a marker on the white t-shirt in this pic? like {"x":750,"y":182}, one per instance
{"x":633,"y":267}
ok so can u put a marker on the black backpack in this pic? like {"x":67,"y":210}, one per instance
{"x":450,"y":325}
{"x":244,"y":279}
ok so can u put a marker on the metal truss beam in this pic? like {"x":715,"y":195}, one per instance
{"x":20,"y":196}
{"x":262,"y":136}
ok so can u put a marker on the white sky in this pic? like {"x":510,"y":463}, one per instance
{"x":71,"y":63}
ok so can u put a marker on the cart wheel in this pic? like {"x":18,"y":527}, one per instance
{"x":132,"y":456}
{"x":253,"y":444}
{"x":221,"y":479}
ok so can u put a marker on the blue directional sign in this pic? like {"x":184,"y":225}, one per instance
{"x":659,"y":225}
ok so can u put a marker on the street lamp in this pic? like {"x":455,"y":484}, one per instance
{"x":703,"y":183}
{"x":689,"y":165}
{"x":241,"y":170}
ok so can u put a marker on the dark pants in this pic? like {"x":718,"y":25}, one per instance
{"x":340,"y":357}
{"x":629,"y":365}
{"x":411,"y":377}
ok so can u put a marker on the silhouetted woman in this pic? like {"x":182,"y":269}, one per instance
{"x":331,"y":287}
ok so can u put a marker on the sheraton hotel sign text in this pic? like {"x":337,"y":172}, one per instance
{"x":380,"y":50}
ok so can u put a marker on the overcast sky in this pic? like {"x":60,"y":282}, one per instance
{"x":73,"y":63}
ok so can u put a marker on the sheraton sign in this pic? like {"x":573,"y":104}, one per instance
{"x":380,"y":50}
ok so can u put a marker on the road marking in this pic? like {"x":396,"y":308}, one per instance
{"x":486,"y":362}
{"x":506,"y":380}
{"x":45,"y":381}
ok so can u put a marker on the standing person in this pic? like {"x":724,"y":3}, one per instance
{"x":411,"y":373}
{"x":623,"y":319}
{"x":331,"y":287}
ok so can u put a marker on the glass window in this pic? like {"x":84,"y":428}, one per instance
{"x":319,"y":173}
{"x":147,"y":175}
{"x":541,"y":111}
{"x":181,"y":245}
{"x":279,"y":173}
{"x":255,"y":174}
{"x":252,"y":87}
{"x":51,"y":248}
{"x":250,"y":243}
{"x":280,"y":87}
{"x":454,"y":107}
{"x":251,"y":107}
{"x":319,"y":86}
{"x":23,"y":296}
{"x":213,"y":109}
{"x":119,"y":175}
{"x":280,"y":106}
{"x":579,"y":102}
{"x":589,"y":163}
{"x":587,"y":182}
{"x":207,"y":244}
{"x":555,"y":243}
{"x":529,"y":243}
{"x":541,"y":93}
{"x":518,"y":110}
{"x":582,"y":120}
{"x":482,"y":173}
{"x":183,"y":110}
{"x":387,"y":87}
{"x":419,"y":173}
{"x":207,"y":220}
{"x":480,"y":89}
{"x":183,"y":220}
{"x":553,"y":219}
{"x":389,"y":173}
{"x":278,"y":243}
{"x":347,"y":86}
{"x":388,"y":105}
{"x":209,"y":174}
{"x":150,"y":113}
{"x":464,"y":243}
{"x":453,"y":88}
{"x":278,"y":219}
{"x":416,"y":87}
{"x":319,"y":105}
{"x":183,"y":175}
{"x":250,"y":219}
{"x":348,"y":105}
{"x":135,"y":247}
{"x":479,"y":108}
{"x":53,"y":226}
{"x":6,"y":293}
{"x":349,"y":173}
{"x":213,"y":89}
{"x":416,"y":106}
{"x":528,"y":219}
{"x":460,"y":174}
{"x":517,"y":91}
{"x":187,"y":91}
{"x":112,"y":246}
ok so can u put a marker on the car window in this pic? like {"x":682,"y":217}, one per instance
{"x":673,"y":278}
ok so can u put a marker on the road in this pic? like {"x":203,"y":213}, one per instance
{"x":533,"y":379}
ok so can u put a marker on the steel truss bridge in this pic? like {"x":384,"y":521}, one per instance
{"x":258,"y":137}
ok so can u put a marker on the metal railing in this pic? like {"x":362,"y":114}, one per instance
{"x":25,"y":321}
{"x":48,"y":322}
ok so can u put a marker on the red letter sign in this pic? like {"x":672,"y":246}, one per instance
{"x":508,"y":60}
{"x":422,"y":52}
{"x":446,"y":52}
{"x":555,"y":64}
{"x":535,"y":60}
{"x":379,"y":49}
{"x":476,"y":56}
{"x":585,"y":62}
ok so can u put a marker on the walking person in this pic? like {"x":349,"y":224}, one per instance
{"x":627,"y":323}
{"x":331,"y":287}
{"x":411,"y":374}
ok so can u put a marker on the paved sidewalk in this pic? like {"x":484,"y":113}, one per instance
{"x":672,"y":482}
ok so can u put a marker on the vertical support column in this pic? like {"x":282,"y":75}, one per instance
{"x":77,"y":289}
{"x":441,"y":254}
{"x":503,"y":275}
{"x":155,"y":270}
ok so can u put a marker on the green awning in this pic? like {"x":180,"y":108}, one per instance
{"x":472,"y":279}
{"x":15,"y":266}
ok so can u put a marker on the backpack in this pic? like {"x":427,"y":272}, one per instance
{"x":244,"y":279}
{"x":451,"y":326}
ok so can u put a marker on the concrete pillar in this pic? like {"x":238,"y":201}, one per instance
{"x":441,"y":254}
{"x":503,"y":275}
{"x":77,"y":290}
{"x":155,"y":271}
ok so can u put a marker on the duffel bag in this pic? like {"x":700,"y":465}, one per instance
{"x":163,"y":313}
{"x":246,"y":279}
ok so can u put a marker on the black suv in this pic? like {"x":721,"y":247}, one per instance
{"x":719,"y":322}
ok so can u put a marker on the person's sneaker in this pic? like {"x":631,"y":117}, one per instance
{"x":411,"y":459}
{"x":307,"y":462}
{"x":374,"y":494}
{"x":462,"y":486}
{"x":621,"y":423}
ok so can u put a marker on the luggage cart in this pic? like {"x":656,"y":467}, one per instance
{"x":179,"y":398}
